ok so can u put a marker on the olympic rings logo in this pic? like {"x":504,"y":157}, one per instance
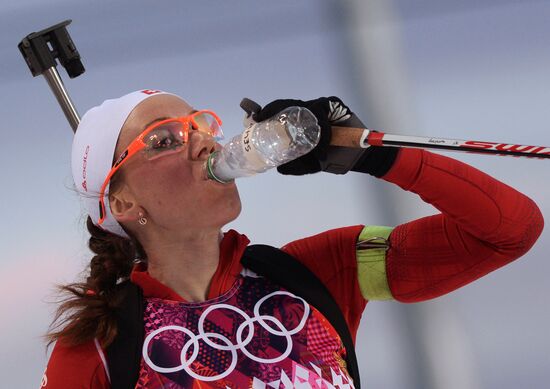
{"x":227,"y":345}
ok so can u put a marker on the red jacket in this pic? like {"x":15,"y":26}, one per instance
{"x":483,"y":224}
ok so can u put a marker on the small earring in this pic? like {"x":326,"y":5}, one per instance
{"x":142,"y":219}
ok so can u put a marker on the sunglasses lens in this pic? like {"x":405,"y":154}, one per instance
{"x":164,"y":139}
{"x":206,"y":122}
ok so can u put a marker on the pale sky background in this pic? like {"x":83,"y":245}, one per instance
{"x":473,"y":69}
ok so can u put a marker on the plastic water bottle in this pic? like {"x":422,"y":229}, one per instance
{"x":284,"y":137}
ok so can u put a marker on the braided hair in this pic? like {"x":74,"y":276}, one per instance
{"x":87,"y":310}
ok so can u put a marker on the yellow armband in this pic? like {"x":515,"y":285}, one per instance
{"x":371,"y":262}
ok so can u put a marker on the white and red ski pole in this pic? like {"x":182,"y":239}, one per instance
{"x":363,"y":137}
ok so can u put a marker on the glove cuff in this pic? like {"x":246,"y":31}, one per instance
{"x":377,"y":161}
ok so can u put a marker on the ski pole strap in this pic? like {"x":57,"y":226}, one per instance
{"x":286,"y":271}
{"x":340,"y":160}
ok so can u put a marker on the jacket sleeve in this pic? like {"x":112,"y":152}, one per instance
{"x":483,"y":225}
{"x":78,"y":367}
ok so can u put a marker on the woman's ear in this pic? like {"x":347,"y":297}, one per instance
{"x":124,"y":206}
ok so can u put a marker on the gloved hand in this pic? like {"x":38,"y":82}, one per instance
{"x":331,"y":111}
{"x":321,"y":108}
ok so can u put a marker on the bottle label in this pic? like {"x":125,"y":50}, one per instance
{"x":251,"y":154}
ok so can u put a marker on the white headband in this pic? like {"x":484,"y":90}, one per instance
{"x":93,"y":150}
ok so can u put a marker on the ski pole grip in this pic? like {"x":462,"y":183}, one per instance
{"x":349,"y":137}
{"x":340,"y":160}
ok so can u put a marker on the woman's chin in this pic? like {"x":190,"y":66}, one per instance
{"x":233,"y":209}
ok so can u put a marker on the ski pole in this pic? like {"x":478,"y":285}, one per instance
{"x":363,"y":138}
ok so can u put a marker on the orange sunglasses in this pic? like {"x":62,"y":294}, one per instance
{"x":163,"y":138}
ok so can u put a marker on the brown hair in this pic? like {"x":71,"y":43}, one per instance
{"x":88,"y":310}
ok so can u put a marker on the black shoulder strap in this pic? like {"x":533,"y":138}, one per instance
{"x":288,"y":272}
{"x":124,"y":354}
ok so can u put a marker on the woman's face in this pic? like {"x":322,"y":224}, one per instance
{"x":173,"y":191}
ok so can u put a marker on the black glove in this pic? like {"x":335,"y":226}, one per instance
{"x":329,"y":111}
{"x":309,"y":163}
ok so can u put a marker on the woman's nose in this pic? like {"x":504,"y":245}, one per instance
{"x":201,"y":145}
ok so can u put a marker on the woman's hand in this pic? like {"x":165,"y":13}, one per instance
{"x":331,"y":111}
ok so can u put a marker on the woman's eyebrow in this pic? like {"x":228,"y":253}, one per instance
{"x":154,"y":121}
{"x":162,"y":118}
